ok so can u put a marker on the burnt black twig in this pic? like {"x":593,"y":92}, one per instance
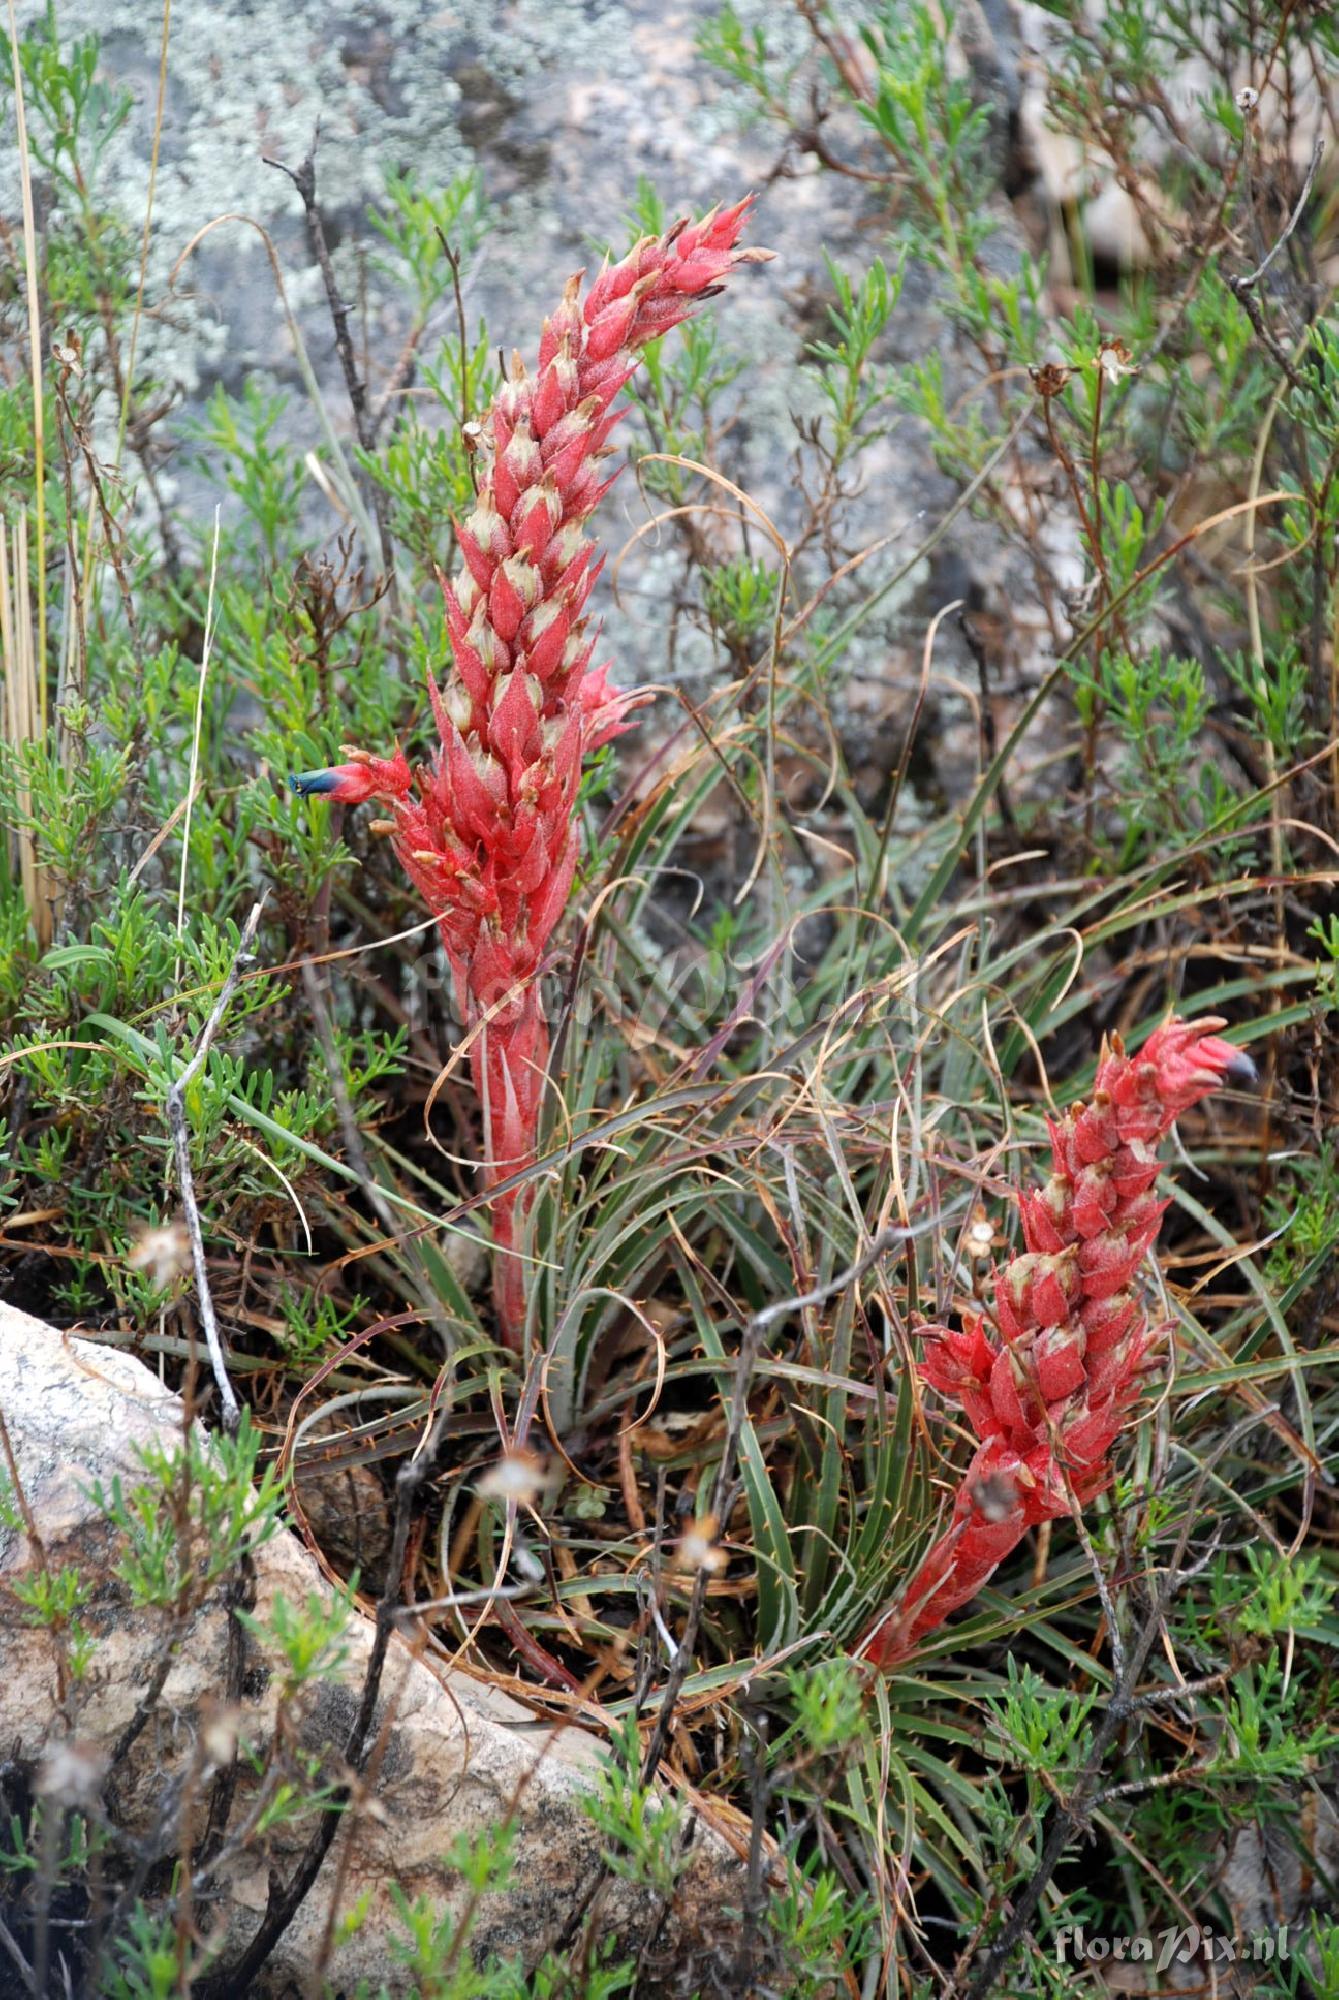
{"x":284,"y":1903}
{"x":304,"y":180}
{"x":239,"y":1596}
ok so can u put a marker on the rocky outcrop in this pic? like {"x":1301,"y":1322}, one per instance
{"x":453,"y":1757}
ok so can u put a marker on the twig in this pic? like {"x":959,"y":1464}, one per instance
{"x":1241,"y":285}
{"x":882,"y":1243}
{"x":453,"y":264}
{"x":240,"y":1594}
{"x":176,"y":1120}
{"x":755,"y":1887}
{"x":400,"y":380}
{"x":25,"y":1971}
{"x":1243,"y":289}
{"x":1251,"y":307}
{"x":284,"y":1903}
{"x":304,"y":180}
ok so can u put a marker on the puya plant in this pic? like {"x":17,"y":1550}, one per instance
{"x":1048,"y":1387}
{"x":487,"y":833}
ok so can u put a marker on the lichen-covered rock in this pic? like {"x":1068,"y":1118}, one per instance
{"x":455,"y":1757}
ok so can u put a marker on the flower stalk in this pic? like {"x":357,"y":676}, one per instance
{"x":487,"y":832}
{"x":1048,"y":1387}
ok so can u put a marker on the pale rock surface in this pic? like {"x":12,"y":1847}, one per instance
{"x":458,"y":1755}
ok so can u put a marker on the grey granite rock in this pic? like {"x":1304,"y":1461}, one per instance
{"x":458,"y":1756}
{"x":561,"y":105}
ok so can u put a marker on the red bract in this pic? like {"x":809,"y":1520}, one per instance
{"x":1048,"y":1390}
{"x":486,"y":832}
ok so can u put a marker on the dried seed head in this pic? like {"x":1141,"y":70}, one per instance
{"x":996,"y":1496}
{"x":1050,"y":379}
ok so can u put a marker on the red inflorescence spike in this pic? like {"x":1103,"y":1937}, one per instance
{"x":495,"y":857}
{"x":1048,"y":1396}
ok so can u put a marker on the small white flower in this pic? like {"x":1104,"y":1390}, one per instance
{"x":218,"y":1735}
{"x":980,"y":1235}
{"x":698,"y":1548}
{"x":1116,"y":361}
{"x":71,"y":1773}
{"x":518,"y":1475}
{"x":161,"y":1254}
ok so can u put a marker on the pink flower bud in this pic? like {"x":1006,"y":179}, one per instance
{"x":1140,"y":1218}
{"x":514,"y":724}
{"x":570,"y":441}
{"x":555,"y":392}
{"x":564,"y":324}
{"x":537,"y":517}
{"x":565,"y":549}
{"x":1094,"y":1131}
{"x":1107,"y":1264}
{"x":1045,"y":1214}
{"x":1134,"y":1169}
{"x":954,"y":1357}
{"x":478,"y":786}
{"x":1058,"y":1358}
{"x":1094,"y":1198}
{"x":543,"y":636}
{"x":1014,"y":1400}
{"x":608,"y":332}
{"x":1055,"y":1288}
{"x":1086,"y":1435}
{"x":516,"y":586}
{"x":481,"y":562}
{"x":516,"y":469}
{"x":605,"y":710}
{"x":1105,"y":1321}
{"x":550,"y":899}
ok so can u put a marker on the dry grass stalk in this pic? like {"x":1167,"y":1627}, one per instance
{"x":23,"y":719}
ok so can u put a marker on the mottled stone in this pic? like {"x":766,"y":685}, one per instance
{"x":458,"y":1756}
{"x":561,"y":105}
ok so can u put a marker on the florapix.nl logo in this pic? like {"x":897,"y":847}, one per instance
{"x":1177,"y":1945}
